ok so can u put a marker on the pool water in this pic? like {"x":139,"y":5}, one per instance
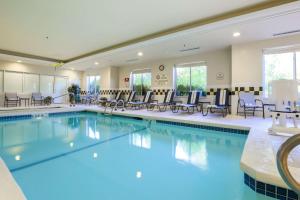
{"x":87,"y":156}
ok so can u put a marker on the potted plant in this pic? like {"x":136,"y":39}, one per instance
{"x":74,"y":94}
{"x":48,"y":100}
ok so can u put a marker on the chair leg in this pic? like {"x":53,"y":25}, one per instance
{"x":245,"y":112}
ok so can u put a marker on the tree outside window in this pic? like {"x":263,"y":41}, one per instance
{"x":141,"y":82}
{"x":189,"y":78}
{"x":280,"y":66}
{"x":93,"y":84}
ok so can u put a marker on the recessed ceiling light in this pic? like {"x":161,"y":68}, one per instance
{"x":140,"y":54}
{"x":236,"y":34}
{"x":19,"y":61}
{"x":96,"y":63}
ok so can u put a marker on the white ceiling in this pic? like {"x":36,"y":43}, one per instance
{"x":75,"y":27}
{"x":256,"y":26}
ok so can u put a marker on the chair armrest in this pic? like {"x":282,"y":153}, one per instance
{"x":260,"y":101}
{"x":175,"y":102}
{"x":154,"y":101}
{"x":241,"y":102}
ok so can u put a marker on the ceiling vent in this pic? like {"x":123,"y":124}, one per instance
{"x":190,"y":49}
{"x":286,"y":33}
{"x":132,"y":60}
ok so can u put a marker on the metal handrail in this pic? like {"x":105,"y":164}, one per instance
{"x":282,"y":162}
{"x":115,"y":107}
{"x":61,"y":95}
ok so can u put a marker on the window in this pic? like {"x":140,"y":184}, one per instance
{"x":93,"y":84}
{"x":141,"y":81}
{"x":190,"y":77}
{"x":277,"y":66}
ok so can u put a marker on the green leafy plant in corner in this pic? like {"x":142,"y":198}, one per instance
{"x":74,"y":93}
{"x":48,"y":100}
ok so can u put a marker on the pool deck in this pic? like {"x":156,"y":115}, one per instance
{"x":258,"y":159}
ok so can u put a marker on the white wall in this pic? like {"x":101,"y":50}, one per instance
{"x":217,"y":61}
{"x":72,"y":76}
{"x":109,"y":78}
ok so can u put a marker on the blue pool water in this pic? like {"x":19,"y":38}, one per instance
{"x":85,"y":156}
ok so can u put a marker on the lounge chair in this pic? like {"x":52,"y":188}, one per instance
{"x":86,"y":97}
{"x":221,"y":103}
{"x":168,"y":101}
{"x":95,"y":98}
{"x":11,"y":99}
{"x":249,"y":103}
{"x":130,"y":98}
{"x":114,"y":102}
{"x":37,"y":98}
{"x":191,"y":104}
{"x":140,"y":104}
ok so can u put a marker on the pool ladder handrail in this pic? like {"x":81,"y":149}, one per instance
{"x":115,"y":107}
{"x":121,"y":101}
{"x":282,"y":162}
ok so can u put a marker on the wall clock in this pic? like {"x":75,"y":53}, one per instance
{"x":161,"y":67}
{"x":220,"y":76}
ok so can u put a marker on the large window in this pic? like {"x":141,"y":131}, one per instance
{"x":190,"y":77}
{"x":93,"y":84}
{"x":141,"y":81}
{"x":280,"y":66}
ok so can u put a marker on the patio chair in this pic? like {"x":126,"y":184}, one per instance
{"x":140,"y":104}
{"x":11,"y":99}
{"x":86,"y":97}
{"x":168,"y":101}
{"x":115,"y":102}
{"x":130,"y":98}
{"x":192,"y":103}
{"x":248,"y":103}
{"x":37,"y":98}
{"x":95,"y":98}
{"x":221,"y":103}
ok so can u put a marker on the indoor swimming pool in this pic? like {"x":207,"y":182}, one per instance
{"x":84,"y":155}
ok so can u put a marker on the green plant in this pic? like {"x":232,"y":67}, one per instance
{"x":74,"y":93}
{"x":48,"y":100}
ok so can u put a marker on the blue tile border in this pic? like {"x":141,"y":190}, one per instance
{"x":214,"y":128}
{"x":15,"y":117}
{"x":207,"y":127}
{"x":270,"y":190}
{"x":67,"y":113}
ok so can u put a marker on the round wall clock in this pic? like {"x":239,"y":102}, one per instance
{"x":220,"y":76}
{"x":161,"y":67}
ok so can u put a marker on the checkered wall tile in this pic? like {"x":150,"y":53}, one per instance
{"x":209,"y":92}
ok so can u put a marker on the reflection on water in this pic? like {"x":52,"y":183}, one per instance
{"x":140,"y":140}
{"x":191,"y":146}
{"x":193,"y":152}
{"x":91,"y":129}
{"x":27,"y":141}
